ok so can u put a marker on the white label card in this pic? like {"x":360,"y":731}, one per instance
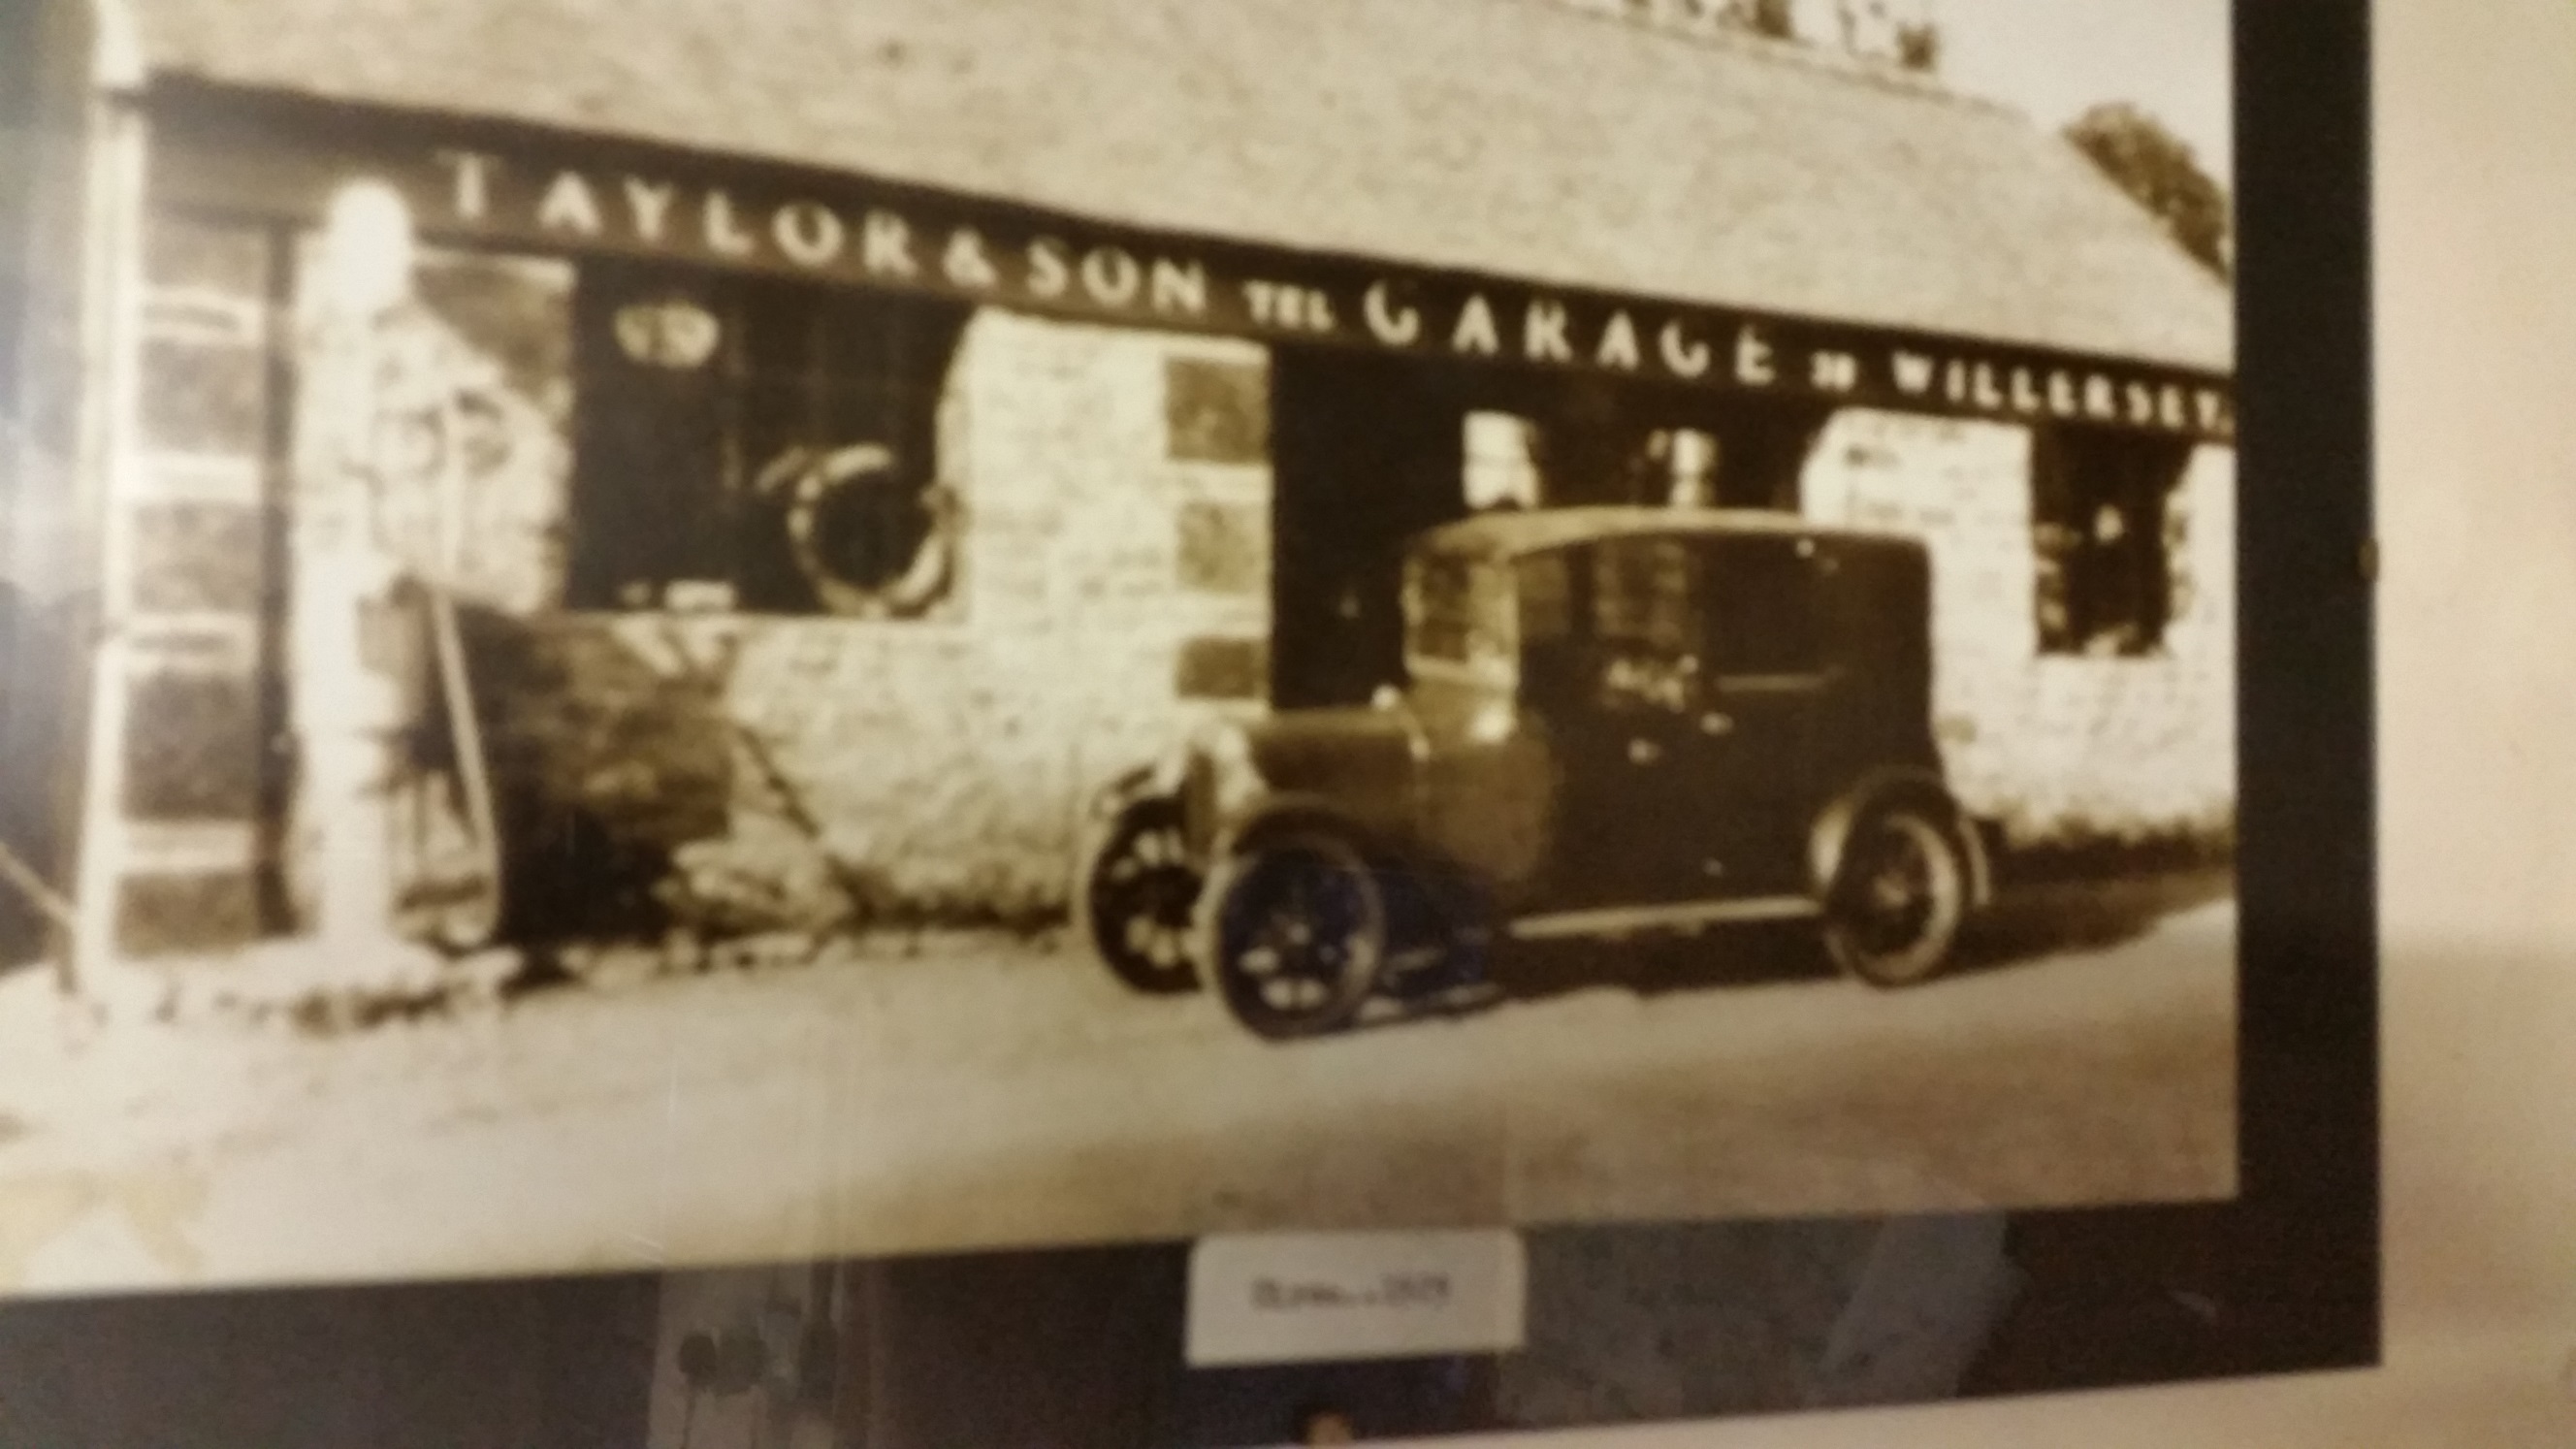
{"x":1320,"y":1297}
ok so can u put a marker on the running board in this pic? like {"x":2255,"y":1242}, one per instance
{"x":1626,"y":920}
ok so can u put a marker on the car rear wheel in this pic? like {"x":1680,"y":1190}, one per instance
{"x":1897,"y":899}
{"x":1139,"y":894}
{"x":1298,"y":932}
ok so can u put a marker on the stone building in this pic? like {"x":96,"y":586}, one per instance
{"x":853,"y":432}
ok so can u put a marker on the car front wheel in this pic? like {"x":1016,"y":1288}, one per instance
{"x":1138,"y":893}
{"x":1898,"y":898}
{"x":1298,"y":928}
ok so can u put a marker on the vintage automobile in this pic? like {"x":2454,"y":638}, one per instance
{"x":1619,"y":722}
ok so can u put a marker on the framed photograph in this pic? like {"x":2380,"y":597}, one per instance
{"x":1285,"y":720}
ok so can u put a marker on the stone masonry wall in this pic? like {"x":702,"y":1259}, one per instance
{"x":1113,"y":569}
{"x":2055,"y":749}
{"x":1114,"y":560}
{"x":199,"y":721}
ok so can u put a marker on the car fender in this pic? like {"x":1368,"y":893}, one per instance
{"x":1161,"y":777}
{"x":1834,"y":824}
{"x":1284,"y":812}
{"x":1236,"y":839}
{"x":1427,"y":900}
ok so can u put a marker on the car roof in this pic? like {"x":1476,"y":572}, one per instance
{"x":1511,"y":534}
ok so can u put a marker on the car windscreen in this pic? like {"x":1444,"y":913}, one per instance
{"x":1458,"y":612}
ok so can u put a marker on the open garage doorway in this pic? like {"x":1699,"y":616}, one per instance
{"x":1368,"y":451}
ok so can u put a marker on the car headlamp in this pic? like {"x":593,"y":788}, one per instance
{"x":1233,"y":776}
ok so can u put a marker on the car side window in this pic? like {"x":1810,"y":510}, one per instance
{"x":1645,"y":625}
{"x":1762,"y":609}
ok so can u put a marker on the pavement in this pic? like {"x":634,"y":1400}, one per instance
{"x":947,"y":1092}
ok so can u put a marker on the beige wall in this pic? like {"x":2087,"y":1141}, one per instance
{"x":936,"y":767}
{"x":2056,"y":749}
{"x":949,"y":760}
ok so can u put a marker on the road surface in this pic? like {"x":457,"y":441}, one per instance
{"x":981,"y":1092}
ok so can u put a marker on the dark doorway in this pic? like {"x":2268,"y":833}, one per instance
{"x":1369,"y":450}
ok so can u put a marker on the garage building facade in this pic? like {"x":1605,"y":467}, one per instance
{"x":853,"y":434}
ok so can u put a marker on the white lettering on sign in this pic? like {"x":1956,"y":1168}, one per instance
{"x":965,"y":262}
{"x":725,"y":236}
{"x":809,"y":235}
{"x":1543,"y":332}
{"x":1619,"y":344}
{"x":470,"y":186}
{"x":1393,"y":325}
{"x":1753,"y":358}
{"x":2061,"y":394}
{"x":569,"y":206}
{"x":1277,"y":304}
{"x":1111,"y":276}
{"x":1050,"y":268}
{"x":1121,"y":274}
{"x":2025,"y":391}
{"x":885,"y":245}
{"x":649,"y":203}
{"x":1476,"y":331}
{"x":1982,"y":386}
{"x":1685,"y":356}
{"x":2101,"y":399}
{"x":1182,"y":287}
{"x":1316,"y":1297}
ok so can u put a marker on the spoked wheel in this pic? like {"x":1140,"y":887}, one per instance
{"x":1897,"y":904}
{"x":1139,"y":893}
{"x":1299,"y":931}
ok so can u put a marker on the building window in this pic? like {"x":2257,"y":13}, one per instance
{"x":1691,"y":456}
{"x":1216,"y":411}
{"x":1502,"y":453}
{"x":2103,"y":527}
{"x":759,"y":446}
{"x":1646,"y":623}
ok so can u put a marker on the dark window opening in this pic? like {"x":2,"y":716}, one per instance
{"x":2105,"y":533}
{"x":759,"y":446}
{"x":1368,"y":451}
{"x":1642,"y":596}
{"x":1646,"y":627}
{"x":1572,"y":450}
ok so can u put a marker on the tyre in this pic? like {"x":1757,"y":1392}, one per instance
{"x":1138,"y":897}
{"x":1297,"y":933}
{"x":1898,"y":898}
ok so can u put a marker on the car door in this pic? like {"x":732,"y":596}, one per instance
{"x":1757,"y":718}
{"x":1633,"y":782}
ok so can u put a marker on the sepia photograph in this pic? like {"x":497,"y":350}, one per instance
{"x":680,"y":635}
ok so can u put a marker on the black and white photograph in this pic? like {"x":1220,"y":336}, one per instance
{"x":679,"y":635}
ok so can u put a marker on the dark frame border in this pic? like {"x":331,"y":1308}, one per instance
{"x":2285,"y":1279}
